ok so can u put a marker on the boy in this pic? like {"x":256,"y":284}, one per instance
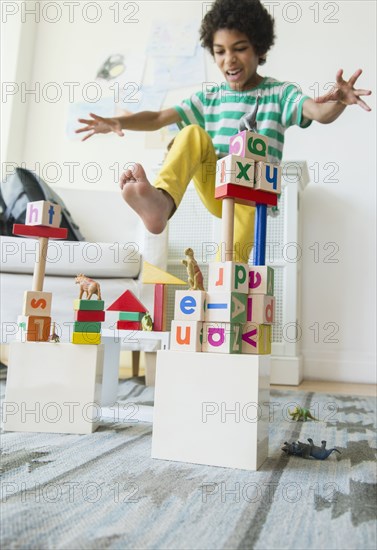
{"x":238,"y":35}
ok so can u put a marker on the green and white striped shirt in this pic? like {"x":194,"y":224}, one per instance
{"x":219,"y":110}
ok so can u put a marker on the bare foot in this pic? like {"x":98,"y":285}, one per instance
{"x":153,"y":205}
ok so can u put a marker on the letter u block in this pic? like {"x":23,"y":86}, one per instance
{"x":249,"y":145}
{"x":256,"y":339}
{"x":186,"y":335}
{"x":189,"y":305}
{"x":222,"y":337}
{"x":268,"y":177}
{"x":261,"y":280}
{"x":235,"y":170}
{"x":37,"y":303}
{"x":33,"y":328}
{"x":229,"y":307}
{"x":228,"y":276}
{"x":260,"y":309}
{"x":43,"y":213}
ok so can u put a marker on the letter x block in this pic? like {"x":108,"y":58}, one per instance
{"x":222,"y":337}
{"x":249,"y":145}
{"x":260,"y":309}
{"x":228,"y":276}
{"x":261,"y":280}
{"x":186,"y":335}
{"x":229,"y":307}
{"x":37,"y":303}
{"x":43,"y":213}
{"x":189,"y":305}
{"x":256,"y":338}
{"x":268,"y":177}
{"x":236,"y":170}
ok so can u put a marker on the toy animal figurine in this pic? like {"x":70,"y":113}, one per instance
{"x":146,"y":322}
{"x":304,"y":450}
{"x":195,"y":276}
{"x":53,"y":336}
{"x":300,"y":414}
{"x":88,"y":286}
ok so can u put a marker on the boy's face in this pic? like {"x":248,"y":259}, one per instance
{"x":236,"y":59}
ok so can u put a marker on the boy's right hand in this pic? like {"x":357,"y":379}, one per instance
{"x":99,"y":125}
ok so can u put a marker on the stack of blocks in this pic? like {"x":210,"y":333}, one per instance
{"x":89,"y":314}
{"x":131,"y":311}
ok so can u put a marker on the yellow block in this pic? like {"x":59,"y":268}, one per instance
{"x":91,"y":338}
{"x":154,"y":275}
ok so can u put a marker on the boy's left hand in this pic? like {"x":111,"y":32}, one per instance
{"x":345,"y":93}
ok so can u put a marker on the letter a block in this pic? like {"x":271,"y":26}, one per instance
{"x":236,"y":170}
{"x":228,"y":276}
{"x":261,"y":280}
{"x":256,"y":339}
{"x":186,"y":335}
{"x":260,"y":309}
{"x":33,"y":328}
{"x":43,"y":213}
{"x":249,"y":145}
{"x":222,"y":337}
{"x":37,"y":303}
{"x":229,"y":307}
{"x":189,"y":305}
{"x":268,"y":177}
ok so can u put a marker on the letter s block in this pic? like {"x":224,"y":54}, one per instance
{"x":235,"y":170}
{"x":261,"y":280}
{"x":189,"y":305}
{"x":228,"y":276}
{"x":222,"y":338}
{"x":43,"y":213}
{"x":268,"y":177}
{"x":260,"y":309}
{"x":256,"y":339}
{"x":33,"y":328}
{"x":249,"y":145}
{"x":37,"y":303}
{"x":186,"y":335}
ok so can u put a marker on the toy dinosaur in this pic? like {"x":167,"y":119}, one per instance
{"x":304,"y":450}
{"x":300,"y":414}
{"x":195,"y":276}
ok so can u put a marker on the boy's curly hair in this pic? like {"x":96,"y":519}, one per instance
{"x":247,"y":16}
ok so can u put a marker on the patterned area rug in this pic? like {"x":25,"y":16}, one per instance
{"x":104,"y":491}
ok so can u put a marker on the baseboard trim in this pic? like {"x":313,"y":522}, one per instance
{"x":357,"y":371}
{"x":287,"y":371}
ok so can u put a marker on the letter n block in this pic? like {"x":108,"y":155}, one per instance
{"x":189,"y":305}
{"x":249,"y":145}
{"x":229,"y":307}
{"x":186,"y":335}
{"x":43,"y":213}
{"x":33,"y":328}
{"x":228,"y":276}
{"x":222,"y":337}
{"x":236,"y":170}
{"x":256,"y":338}
{"x":261,"y":280}
{"x":37,"y":303}
{"x":260,"y":309}
{"x":268,"y":177}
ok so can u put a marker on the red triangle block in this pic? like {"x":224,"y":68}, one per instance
{"x":127,"y":302}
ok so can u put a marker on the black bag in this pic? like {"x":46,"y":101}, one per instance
{"x":24,"y":186}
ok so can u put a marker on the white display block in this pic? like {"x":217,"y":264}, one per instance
{"x":110,"y":379}
{"x":53,"y":387}
{"x":211,"y":409}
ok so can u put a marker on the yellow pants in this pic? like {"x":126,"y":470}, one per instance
{"x":193,"y":157}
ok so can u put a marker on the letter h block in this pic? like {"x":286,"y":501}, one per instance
{"x":43,"y":213}
{"x":228,"y":277}
{"x":186,"y":335}
{"x":189,"y":305}
{"x":249,"y":145}
{"x":268,"y":177}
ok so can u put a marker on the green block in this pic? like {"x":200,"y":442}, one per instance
{"x":235,"y":338}
{"x":130,"y":316}
{"x":239,"y":304}
{"x":270,"y":281}
{"x":88,"y":305}
{"x":86,"y":326}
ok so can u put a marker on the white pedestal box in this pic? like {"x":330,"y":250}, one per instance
{"x":212,"y":408}
{"x":53,"y":387}
{"x":110,"y":379}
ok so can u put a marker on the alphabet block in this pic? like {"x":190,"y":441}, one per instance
{"x":222,"y":337}
{"x":33,"y":328}
{"x":229,"y":307}
{"x":256,"y":339}
{"x":236,"y":170}
{"x":228,"y":276}
{"x":88,"y":305}
{"x":83,"y":315}
{"x":260,"y":309}
{"x":43,"y":213}
{"x":37,"y":303}
{"x":268,"y":177}
{"x":249,"y":145}
{"x":186,"y":335}
{"x":86,"y":338}
{"x":189,"y":305}
{"x":81,"y":326}
{"x":261,"y":280}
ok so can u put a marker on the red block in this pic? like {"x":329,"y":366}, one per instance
{"x":127,"y":302}
{"x":160,"y":304}
{"x":245,"y":195}
{"x":89,"y":315}
{"x":129,"y":325}
{"x":39,"y":231}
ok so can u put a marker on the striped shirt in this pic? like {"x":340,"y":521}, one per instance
{"x":219,"y":110}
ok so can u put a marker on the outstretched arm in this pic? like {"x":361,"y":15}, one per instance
{"x":327,"y":108}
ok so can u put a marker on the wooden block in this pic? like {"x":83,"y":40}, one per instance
{"x":53,"y":388}
{"x":37,"y":303}
{"x":39,"y":231}
{"x":189,"y":305}
{"x":85,"y":326}
{"x":249,"y":145}
{"x":33,"y":328}
{"x":236,"y":170}
{"x":160,"y":306}
{"x":218,"y":412}
{"x":260,"y":309}
{"x":229,"y":307}
{"x":261,"y":280}
{"x":86,"y":338}
{"x":96,"y":316}
{"x":154,"y":275}
{"x":43,"y":213}
{"x":256,"y":339}
{"x":88,"y":305}
{"x":129,"y":325}
{"x":244,"y":195}
{"x":127,"y":302}
{"x":186,"y":335}
{"x":131,"y":316}
{"x":228,"y":276}
{"x":268,"y":177}
{"x":222,"y":337}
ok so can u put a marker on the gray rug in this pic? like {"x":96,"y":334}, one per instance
{"x":104,"y":491}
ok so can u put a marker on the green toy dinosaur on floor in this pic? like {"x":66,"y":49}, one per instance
{"x":300,"y":414}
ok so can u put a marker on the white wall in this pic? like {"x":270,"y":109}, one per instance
{"x":314,"y":39}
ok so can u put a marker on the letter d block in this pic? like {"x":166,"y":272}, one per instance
{"x":256,"y":338}
{"x":249,"y":145}
{"x":228,"y":277}
{"x":260,"y":309}
{"x":33,"y":328}
{"x":37,"y":303}
{"x":186,"y":335}
{"x":189,"y":305}
{"x":268,"y":177}
{"x":235,"y":170}
{"x":261,"y":280}
{"x":222,"y":337}
{"x":43,"y":213}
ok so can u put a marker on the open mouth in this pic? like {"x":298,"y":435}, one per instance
{"x":233,"y":74}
